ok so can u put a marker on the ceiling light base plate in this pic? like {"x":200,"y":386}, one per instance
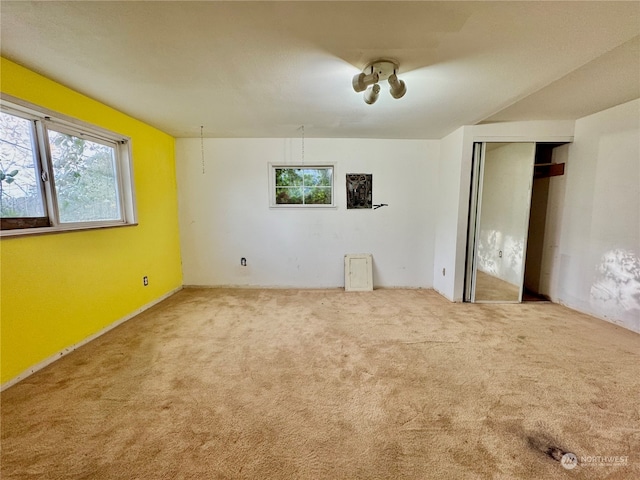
{"x":383,"y":67}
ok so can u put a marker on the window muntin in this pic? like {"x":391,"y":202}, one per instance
{"x":79,"y":175}
{"x":307,"y":186}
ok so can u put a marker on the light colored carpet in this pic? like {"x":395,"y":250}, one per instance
{"x":324,"y":384}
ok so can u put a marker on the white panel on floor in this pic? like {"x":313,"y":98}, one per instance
{"x":358,"y":272}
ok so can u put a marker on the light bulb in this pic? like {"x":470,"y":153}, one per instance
{"x":371,"y":95}
{"x":361,"y":81}
{"x":397,"y":88}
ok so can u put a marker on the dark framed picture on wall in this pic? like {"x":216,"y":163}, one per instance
{"x":359,"y":190}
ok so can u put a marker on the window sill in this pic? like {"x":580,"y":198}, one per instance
{"x":303,"y":207}
{"x":23,"y":232}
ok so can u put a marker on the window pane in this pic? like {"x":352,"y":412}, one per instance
{"x":288,"y":195}
{"x":20,"y":194}
{"x":288,"y":177}
{"x":317,"y":195}
{"x":303,"y":185}
{"x":317,"y":177}
{"x":85,"y":179}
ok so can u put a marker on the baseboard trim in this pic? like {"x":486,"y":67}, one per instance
{"x":262,"y":287}
{"x":65,"y":351}
{"x":297,"y":287}
{"x":594,"y":315}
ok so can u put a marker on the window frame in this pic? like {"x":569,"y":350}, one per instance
{"x":44,"y":120}
{"x":301,"y":166}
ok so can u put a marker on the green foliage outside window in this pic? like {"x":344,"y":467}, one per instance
{"x":85,"y":178}
{"x":304,"y":186}
{"x":19,"y":193}
{"x":84,"y":172}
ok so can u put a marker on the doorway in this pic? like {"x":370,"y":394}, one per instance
{"x":548,"y":164}
{"x":507,"y":218}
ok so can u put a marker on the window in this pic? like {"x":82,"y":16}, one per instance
{"x":302,"y":186}
{"x":59,"y":174}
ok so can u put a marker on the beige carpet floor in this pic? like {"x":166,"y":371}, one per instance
{"x":324,"y":384}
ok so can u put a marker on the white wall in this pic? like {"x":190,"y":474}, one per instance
{"x":225,"y":214}
{"x":596,"y":265}
{"x":447,"y":238}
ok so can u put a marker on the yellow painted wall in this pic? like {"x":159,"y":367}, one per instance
{"x":58,"y":289}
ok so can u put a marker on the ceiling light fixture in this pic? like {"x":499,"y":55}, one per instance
{"x":379,"y":71}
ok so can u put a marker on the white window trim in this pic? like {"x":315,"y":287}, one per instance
{"x":272,"y":185}
{"x":67,"y":124}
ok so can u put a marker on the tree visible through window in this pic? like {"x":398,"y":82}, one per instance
{"x":59,"y":174}
{"x":20,"y":192}
{"x":300,"y":185}
{"x":85,"y":178}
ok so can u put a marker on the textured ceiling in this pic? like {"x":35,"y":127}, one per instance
{"x":263,"y":69}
